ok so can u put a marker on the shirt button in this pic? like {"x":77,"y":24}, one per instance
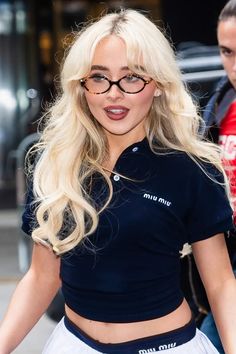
{"x":116,"y":178}
{"x":135,"y":149}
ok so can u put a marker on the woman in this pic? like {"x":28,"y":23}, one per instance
{"x":122,"y":181}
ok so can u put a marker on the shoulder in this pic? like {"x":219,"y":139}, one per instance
{"x":183,"y":167}
{"x":185,"y":162}
{"x":217,"y":95}
{"x":223,"y":85}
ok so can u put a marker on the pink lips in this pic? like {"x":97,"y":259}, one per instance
{"x":116,"y":112}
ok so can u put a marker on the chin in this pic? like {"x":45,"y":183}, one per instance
{"x":119,"y":133}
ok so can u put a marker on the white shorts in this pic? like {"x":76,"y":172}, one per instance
{"x":63,"y":341}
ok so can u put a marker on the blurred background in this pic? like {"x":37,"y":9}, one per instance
{"x":33,"y":37}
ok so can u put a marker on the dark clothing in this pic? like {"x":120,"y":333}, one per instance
{"x":133,"y":272}
{"x":221,"y":130}
{"x":214,"y":115}
{"x":212,"y":120}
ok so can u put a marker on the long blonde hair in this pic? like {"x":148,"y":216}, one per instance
{"x":72,"y":147}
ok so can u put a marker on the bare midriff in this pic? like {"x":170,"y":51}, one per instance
{"x":123,"y":332}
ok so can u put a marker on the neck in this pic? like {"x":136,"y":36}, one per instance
{"x":117,"y":144}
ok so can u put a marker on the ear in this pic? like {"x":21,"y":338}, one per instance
{"x":157,"y":92}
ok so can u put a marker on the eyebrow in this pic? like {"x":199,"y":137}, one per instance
{"x":224,"y":48}
{"x":104,"y":68}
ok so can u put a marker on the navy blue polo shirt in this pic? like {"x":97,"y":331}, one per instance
{"x":129,"y":268}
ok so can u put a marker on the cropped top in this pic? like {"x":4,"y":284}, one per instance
{"x":132,"y":271}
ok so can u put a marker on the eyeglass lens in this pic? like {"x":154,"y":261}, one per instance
{"x":128,"y":84}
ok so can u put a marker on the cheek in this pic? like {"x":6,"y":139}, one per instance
{"x":145,"y":100}
{"x":93,"y":102}
{"x":88,"y":98}
{"x":227,"y":63}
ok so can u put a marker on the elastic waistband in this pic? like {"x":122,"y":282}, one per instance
{"x":150,"y":344}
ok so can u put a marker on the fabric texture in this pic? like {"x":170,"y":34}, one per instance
{"x":220,"y":117}
{"x":208,"y":327}
{"x":166,"y":201}
{"x":64,"y":342}
{"x":227,"y":141}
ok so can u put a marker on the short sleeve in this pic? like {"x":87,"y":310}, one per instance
{"x":28,"y":216}
{"x":210,"y":212}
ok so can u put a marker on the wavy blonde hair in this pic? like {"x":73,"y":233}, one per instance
{"x":73,"y":147}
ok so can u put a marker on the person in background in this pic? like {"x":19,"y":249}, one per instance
{"x":220,"y":119}
{"x":122,"y":181}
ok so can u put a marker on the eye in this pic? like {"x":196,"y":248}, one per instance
{"x":226,"y":51}
{"x":132,"y":78}
{"x":97,"y":77}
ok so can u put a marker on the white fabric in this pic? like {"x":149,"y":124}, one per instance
{"x":64,"y":342}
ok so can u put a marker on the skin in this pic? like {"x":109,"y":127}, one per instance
{"x":31,"y":298}
{"x":110,"y":54}
{"x":42,"y":281}
{"x":226,"y":34}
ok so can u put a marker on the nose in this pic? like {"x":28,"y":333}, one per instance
{"x":115,"y":92}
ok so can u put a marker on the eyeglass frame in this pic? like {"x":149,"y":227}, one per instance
{"x":117,"y":83}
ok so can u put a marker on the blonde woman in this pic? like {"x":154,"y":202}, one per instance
{"x":122,"y":182}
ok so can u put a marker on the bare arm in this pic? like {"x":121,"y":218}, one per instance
{"x":214,"y":266}
{"x":31,"y":298}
